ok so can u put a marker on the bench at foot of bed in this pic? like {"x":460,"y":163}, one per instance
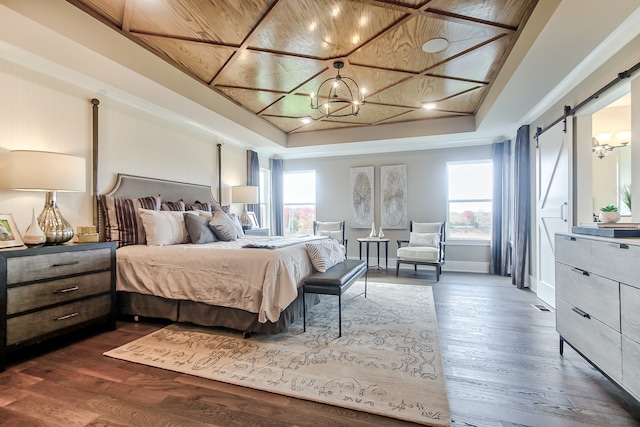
{"x":335,"y":281}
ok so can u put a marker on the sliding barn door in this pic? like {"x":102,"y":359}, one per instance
{"x":553,"y":207}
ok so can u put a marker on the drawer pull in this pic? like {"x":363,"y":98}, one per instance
{"x":68,"y":316}
{"x":573,"y":239}
{"x":581,"y":313}
{"x":623,"y":246}
{"x":64,"y":264}
{"x":583,"y":272}
{"x":64,"y":291}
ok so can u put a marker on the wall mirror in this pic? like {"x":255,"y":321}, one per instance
{"x":611,"y":155}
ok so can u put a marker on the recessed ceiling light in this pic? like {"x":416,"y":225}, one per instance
{"x":435,"y":45}
{"x":429,"y":105}
{"x":306,"y":120}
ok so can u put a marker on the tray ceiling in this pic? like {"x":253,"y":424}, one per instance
{"x":269,"y":55}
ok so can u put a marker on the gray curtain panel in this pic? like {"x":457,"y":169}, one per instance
{"x":253,"y":178}
{"x":500,"y":262}
{"x":277,"y":189}
{"x":522,"y":210}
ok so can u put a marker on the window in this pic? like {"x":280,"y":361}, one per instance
{"x":265,"y":198}
{"x":299,"y":202}
{"x":469,"y":198}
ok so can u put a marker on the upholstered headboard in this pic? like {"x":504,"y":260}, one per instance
{"x":131,"y":186}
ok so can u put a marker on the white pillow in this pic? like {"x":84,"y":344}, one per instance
{"x":425,"y":239}
{"x":164,"y":228}
{"x":336,"y":235}
{"x":324,"y":254}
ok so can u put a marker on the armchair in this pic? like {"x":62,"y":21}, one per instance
{"x":335,"y":230}
{"x":424,"y":247}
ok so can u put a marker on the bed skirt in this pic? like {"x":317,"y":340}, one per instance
{"x":134,"y":304}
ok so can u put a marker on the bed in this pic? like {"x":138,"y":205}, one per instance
{"x":250,"y":284}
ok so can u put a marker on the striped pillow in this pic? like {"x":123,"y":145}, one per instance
{"x":178,"y":206}
{"x":122,"y":220}
{"x":324,"y":254}
{"x":200,"y":206}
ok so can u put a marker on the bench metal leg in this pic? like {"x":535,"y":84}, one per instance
{"x":304,"y":311}
{"x":339,"y":316}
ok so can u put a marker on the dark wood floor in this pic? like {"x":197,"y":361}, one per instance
{"x":500,"y":357}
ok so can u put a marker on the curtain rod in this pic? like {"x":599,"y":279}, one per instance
{"x":568,"y":111}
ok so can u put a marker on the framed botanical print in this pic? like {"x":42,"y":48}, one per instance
{"x":9,"y":234}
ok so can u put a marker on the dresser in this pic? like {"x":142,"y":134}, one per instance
{"x":53,"y":290}
{"x":598,"y":303}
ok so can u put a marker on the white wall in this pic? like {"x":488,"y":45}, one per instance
{"x":39,"y":112}
{"x":426,"y":173}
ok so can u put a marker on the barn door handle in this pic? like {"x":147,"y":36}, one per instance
{"x":562,"y":215}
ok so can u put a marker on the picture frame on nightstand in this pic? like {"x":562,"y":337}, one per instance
{"x":9,"y":233}
{"x":254,"y":220}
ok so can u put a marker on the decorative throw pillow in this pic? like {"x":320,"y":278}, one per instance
{"x":122,"y":220}
{"x":425,"y":239}
{"x":223,"y":226}
{"x":173,"y":206}
{"x":236,"y":223}
{"x":324,"y":254}
{"x":198,"y":228}
{"x":164,"y":228}
{"x":205,"y":214}
{"x":200,"y":206}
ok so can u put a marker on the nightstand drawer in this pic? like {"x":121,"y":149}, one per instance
{"x":22,"y":328}
{"x":596,"y":295}
{"x":47,"y":266}
{"x":29,"y":297}
{"x":597,"y":341}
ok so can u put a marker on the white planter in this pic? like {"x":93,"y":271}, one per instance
{"x":609,"y":217}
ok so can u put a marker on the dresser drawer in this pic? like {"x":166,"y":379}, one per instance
{"x":597,"y":341}
{"x":22,"y":328}
{"x":46,"y":266}
{"x":573,"y":251}
{"x":616,"y":260}
{"x":630,"y":312}
{"x":589,"y":292}
{"x":29,"y":297}
{"x":630,"y":364}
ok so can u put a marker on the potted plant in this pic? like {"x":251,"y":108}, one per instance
{"x":609,"y":213}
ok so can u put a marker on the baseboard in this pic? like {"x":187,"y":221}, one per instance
{"x":546,"y":293}
{"x":453,"y":266}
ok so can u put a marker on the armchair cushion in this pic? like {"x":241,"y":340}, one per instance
{"x":418,"y":253}
{"x":425,"y":239}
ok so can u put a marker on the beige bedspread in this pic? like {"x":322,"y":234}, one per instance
{"x":262,"y":281}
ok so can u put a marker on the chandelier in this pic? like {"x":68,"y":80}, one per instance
{"x":603,"y":149}
{"x":338,"y":96}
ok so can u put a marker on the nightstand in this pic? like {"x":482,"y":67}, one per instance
{"x":49,"y":291}
{"x":257,"y":232}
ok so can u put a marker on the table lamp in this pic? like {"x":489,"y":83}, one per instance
{"x":50,"y":172}
{"x":245,"y":194}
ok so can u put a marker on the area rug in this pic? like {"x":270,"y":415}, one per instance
{"x":387,"y":361}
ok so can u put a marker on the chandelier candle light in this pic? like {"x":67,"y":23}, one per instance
{"x":50,"y":172}
{"x":338,"y":96}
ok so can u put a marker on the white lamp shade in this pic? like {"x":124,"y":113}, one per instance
{"x":46,"y":171}
{"x":244,"y":194}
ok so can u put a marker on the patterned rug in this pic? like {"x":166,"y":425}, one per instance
{"x":387,"y":361}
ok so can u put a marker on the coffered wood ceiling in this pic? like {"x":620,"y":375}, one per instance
{"x":269,"y":55}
